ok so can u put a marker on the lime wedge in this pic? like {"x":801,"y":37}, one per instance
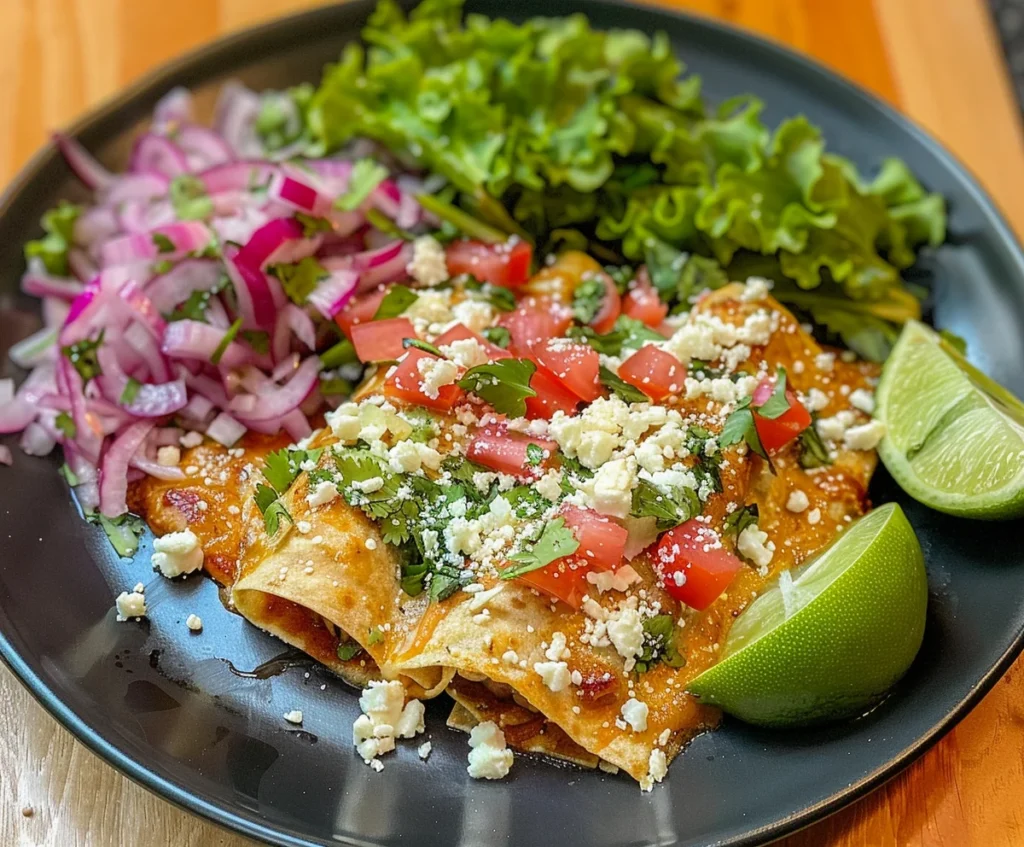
{"x":954,"y":438}
{"x":831,"y":637}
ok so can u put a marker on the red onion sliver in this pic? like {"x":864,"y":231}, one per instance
{"x":128,"y":188}
{"x":174,"y":287}
{"x":255,"y":301}
{"x":36,"y":441}
{"x":184,"y":237}
{"x":174,"y":107}
{"x":203,"y":148}
{"x":155,"y":469}
{"x":277,"y":402}
{"x":85,"y":167}
{"x":225,"y":430}
{"x":292,"y":320}
{"x":333,"y":294}
{"x":198,"y":341}
{"x":158,"y":153}
{"x":114,"y":471}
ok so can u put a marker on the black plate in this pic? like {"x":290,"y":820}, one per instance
{"x":163,"y":705}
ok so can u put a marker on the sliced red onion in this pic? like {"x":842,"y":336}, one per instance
{"x":288,"y":365}
{"x":114,"y":470}
{"x":245,"y":176}
{"x":385,"y":264}
{"x":96,"y":224}
{"x":270,"y":240}
{"x":209,"y":388}
{"x":144,"y":311}
{"x":235,"y":118}
{"x":88,"y":432}
{"x":198,"y":341}
{"x":291,"y":320}
{"x":290,"y":188}
{"x":277,"y":402}
{"x":150,"y":400}
{"x":129,"y":188}
{"x":174,"y":287}
{"x":296,"y":425}
{"x":174,"y":107}
{"x":166,"y":436}
{"x":155,"y":469}
{"x":83,"y":267}
{"x":15,"y":415}
{"x":202,"y":147}
{"x":42,"y":285}
{"x":225,"y":430}
{"x":6,"y":390}
{"x":85,"y":167}
{"x":158,"y":154}
{"x":55,"y":312}
{"x":197,"y":408}
{"x":252,"y":290}
{"x":139,"y":339}
{"x":184,"y":237}
{"x":37,"y":348}
{"x":36,"y":441}
{"x":333,"y":294}
{"x":5,"y":455}
{"x":141,"y":216}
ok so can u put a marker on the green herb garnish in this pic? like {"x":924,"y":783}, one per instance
{"x":163,"y":243}
{"x":398,"y":299}
{"x":66,"y":425}
{"x":740,"y":519}
{"x":189,"y":199}
{"x":555,"y":542}
{"x":618,"y":386}
{"x":300,"y":279}
{"x":349,"y":650}
{"x":504,"y":384}
{"x":130,"y":392}
{"x":82,"y":354}
{"x":52,"y":248}
{"x":670,"y":507}
{"x":365,"y":176}
{"x":225,"y":342}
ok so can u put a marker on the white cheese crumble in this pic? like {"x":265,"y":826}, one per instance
{"x":618,"y":580}
{"x":816,"y":400}
{"x":557,"y":649}
{"x":489,"y":757}
{"x":294,"y":716}
{"x":549,"y":486}
{"x":756,"y":288}
{"x":797,"y":501}
{"x":864,"y":437}
{"x":410,"y":456}
{"x":384,"y":719}
{"x":634,"y":712}
{"x":435,"y":374}
{"x":864,"y":400}
{"x":626,"y":632}
{"x":130,"y":605}
{"x":428,"y":261}
{"x":814,"y":516}
{"x":753,"y":543}
{"x":194,"y":622}
{"x":169,"y":456}
{"x":825,"y":362}
{"x":612,"y":487}
{"x":191,"y":439}
{"x":324,"y":492}
{"x":834,"y":428}
{"x":467,"y":352}
{"x":473,"y":314}
{"x":424,"y":750}
{"x":657,"y":769}
{"x":177,"y":553}
{"x":555,"y":675}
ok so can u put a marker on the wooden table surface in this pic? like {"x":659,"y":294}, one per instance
{"x":937,"y":60}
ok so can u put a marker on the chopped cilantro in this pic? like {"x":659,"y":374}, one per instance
{"x":413,"y":576}
{"x":740,"y":520}
{"x":300,"y":279}
{"x":349,"y":650}
{"x":378,"y":220}
{"x":365,"y":176}
{"x":281,"y":467}
{"x":534,"y":454}
{"x":162,"y":266}
{"x":70,"y":477}
{"x":813,"y":453}
{"x":52,"y":249}
{"x":670,"y":507}
{"x":628,"y":332}
{"x":554,"y":542}
{"x":504,"y":384}
{"x":312,"y":226}
{"x":526,"y":501}
{"x":587,"y":299}
{"x":225,"y":342}
{"x":257,"y":339}
{"x":700,"y":368}
{"x":163,"y":243}
{"x":777,"y":405}
{"x":618,"y":386}
{"x":425,"y":346}
{"x":659,"y":644}
{"x":395,"y":302}
{"x":740,"y":426}
{"x":375,"y":636}
{"x":444,"y":584}
{"x":82,"y":354}
{"x":66,"y":425}
{"x":498,"y":335}
{"x":500,"y":298}
{"x":189,"y":199}
{"x":122,"y":531}
{"x":270,"y":507}
{"x":130,"y":392}
{"x":335,"y":387}
{"x":342,"y":353}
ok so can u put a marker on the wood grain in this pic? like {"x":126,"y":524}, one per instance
{"x":937,"y":60}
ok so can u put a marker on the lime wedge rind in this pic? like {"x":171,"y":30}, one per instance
{"x":954,"y":437}
{"x":859,"y":623}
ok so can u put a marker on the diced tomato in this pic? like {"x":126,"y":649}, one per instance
{"x":461,"y":332}
{"x":655,"y":372}
{"x":506,"y":264}
{"x":693,"y":565}
{"x":381,"y":341}
{"x":360,"y":309}
{"x":507,"y":452}
{"x":643,"y":303}
{"x":573,"y":364}
{"x":563,"y":580}
{"x":611,"y":306}
{"x":534,"y":321}
{"x":602,"y":541}
{"x":776,"y":433}
{"x":406,"y":385}
{"x":551,"y":397}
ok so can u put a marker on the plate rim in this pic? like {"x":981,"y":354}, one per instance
{"x":231,"y":818}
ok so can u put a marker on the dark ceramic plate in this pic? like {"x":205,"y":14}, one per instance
{"x":167,"y":708}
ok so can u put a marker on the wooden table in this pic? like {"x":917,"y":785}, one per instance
{"x":937,"y":60}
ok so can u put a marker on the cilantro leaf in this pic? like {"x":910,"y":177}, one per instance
{"x":498,"y":335}
{"x":777,"y":405}
{"x":740,"y":520}
{"x":622,"y":389}
{"x":378,"y":220}
{"x":312,"y":226}
{"x":555,"y":542}
{"x":504,"y":384}
{"x":670,"y":507}
{"x":349,"y":650}
{"x":258,"y":339}
{"x":300,"y":279}
{"x":70,"y":477}
{"x":271,"y":508}
{"x":813,"y":452}
{"x":425,"y":346}
{"x":534,"y":454}
{"x":163,"y":243}
{"x":123,"y":531}
{"x":364,"y":177}
{"x":82,"y":354}
{"x":282,"y":467}
{"x":375,"y":636}
{"x":659,"y":644}
{"x":587,"y":299}
{"x":130,"y":392}
{"x":52,"y":248}
{"x":628,"y":333}
{"x":66,"y":425}
{"x":225,"y":342}
{"x":740,"y":426}
{"x":500,"y":298}
{"x":189,"y":198}
{"x":395,"y":302}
